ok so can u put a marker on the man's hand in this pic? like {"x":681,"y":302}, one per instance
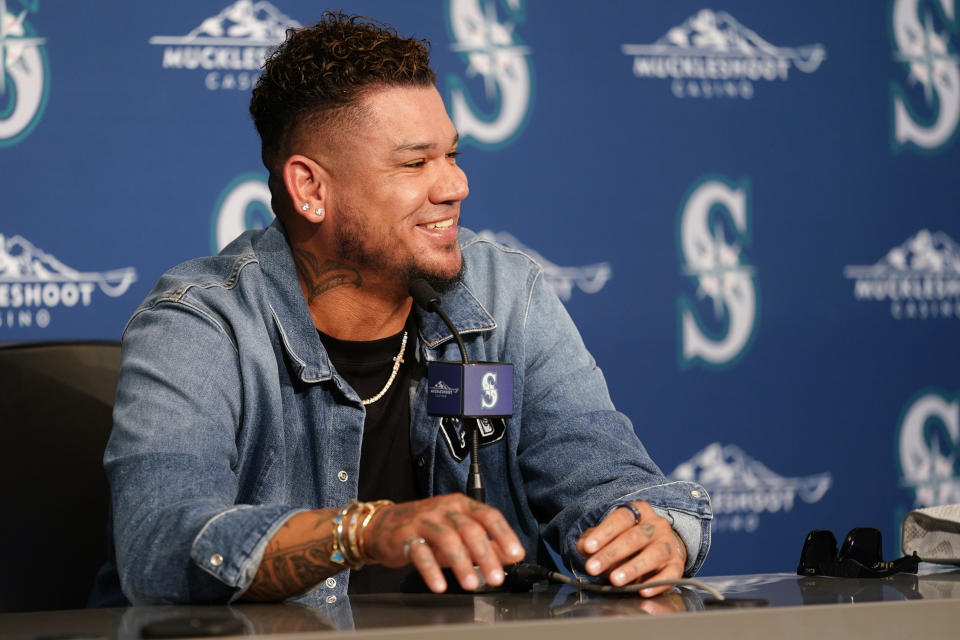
{"x":444,"y":531}
{"x":634,"y":550}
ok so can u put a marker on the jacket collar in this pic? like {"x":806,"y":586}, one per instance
{"x":465,"y":311}
{"x":298,"y":333}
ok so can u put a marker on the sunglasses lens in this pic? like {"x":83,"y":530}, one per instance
{"x":819,"y":549}
{"x":863,"y":544}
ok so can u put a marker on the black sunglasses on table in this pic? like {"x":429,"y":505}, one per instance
{"x":861,"y":556}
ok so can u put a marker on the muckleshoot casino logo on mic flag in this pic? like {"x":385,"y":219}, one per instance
{"x":24,"y":74}
{"x":471,"y":390}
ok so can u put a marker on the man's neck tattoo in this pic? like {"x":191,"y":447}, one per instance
{"x":320,"y":277}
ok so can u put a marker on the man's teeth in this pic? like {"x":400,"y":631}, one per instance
{"x":444,"y":224}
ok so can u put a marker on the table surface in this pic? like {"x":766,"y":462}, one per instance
{"x":777,"y":605}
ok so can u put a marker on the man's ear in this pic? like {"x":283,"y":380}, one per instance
{"x":306,"y":183}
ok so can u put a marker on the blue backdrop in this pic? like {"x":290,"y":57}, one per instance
{"x":750,"y":210}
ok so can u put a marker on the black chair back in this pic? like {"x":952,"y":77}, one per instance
{"x":56,"y":404}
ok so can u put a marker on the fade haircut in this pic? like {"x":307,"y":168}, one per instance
{"x":321,"y":72}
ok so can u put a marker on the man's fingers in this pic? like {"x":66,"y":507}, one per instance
{"x":595,"y":538}
{"x":484,"y":551}
{"x":507,"y":544}
{"x":657,"y":557}
{"x":419,"y":553}
{"x":458,"y":533}
{"x":621,"y":548}
{"x":668,"y":573}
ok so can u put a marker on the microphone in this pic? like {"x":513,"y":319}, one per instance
{"x":475,"y":393}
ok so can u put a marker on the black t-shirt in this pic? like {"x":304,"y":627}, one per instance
{"x":386,"y":466}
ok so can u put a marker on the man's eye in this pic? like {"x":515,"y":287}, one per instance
{"x":415,"y":164}
{"x":453,"y":155}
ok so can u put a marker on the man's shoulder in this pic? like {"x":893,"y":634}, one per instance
{"x":196,"y":276}
{"x":496,"y":260}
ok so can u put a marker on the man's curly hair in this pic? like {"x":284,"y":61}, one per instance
{"x":323,"y":70}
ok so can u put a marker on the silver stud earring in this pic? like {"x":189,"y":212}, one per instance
{"x":320,"y":212}
{"x":305,"y":206}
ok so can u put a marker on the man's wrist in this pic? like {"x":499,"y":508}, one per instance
{"x":681,"y":547}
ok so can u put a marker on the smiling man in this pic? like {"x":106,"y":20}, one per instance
{"x":270,"y":431}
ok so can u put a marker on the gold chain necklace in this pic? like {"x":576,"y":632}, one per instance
{"x":397,"y":361}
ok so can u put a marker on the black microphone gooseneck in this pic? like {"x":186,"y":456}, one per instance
{"x":427,"y":298}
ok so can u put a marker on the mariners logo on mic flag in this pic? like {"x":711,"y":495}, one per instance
{"x":477,"y":389}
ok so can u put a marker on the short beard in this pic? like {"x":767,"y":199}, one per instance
{"x":353,"y":252}
{"x":440,"y":284}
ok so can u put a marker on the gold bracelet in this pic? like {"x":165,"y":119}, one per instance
{"x":375,"y":507}
{"x":353,"y":521}
{"x":341,"y":553}
{"x":336,"y":552}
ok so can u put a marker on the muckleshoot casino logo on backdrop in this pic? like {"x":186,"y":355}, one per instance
{"x":712,"y":55}
{"x":589,"y":278}
{"x":718,"y":333}
{"x":24,"y":73}
{"x":35,"y":285}
{"x":919,"y":280}
{"x":493,"y":52}
{"x":228,"y":48}
{"x":743,"y":490}
{"x":926,"y":102}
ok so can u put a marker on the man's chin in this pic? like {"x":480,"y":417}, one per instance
{"x":441,"y":282}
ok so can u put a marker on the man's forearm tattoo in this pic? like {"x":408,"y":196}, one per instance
{"x":292,"y":570}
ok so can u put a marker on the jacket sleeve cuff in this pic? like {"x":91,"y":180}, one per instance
{"x":231,"y":544}
{"x":685,"y":505}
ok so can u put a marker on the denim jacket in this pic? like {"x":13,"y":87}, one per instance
{"x":230,"y":419}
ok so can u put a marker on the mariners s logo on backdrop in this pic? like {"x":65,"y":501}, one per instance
{"x":928,"y":446}
{"x":722,"y":276}
{"x":926,"y":107}
{"x":24,"y":73}
{"x":243,"y":204}
{"x":229,"y":47}
{"x":494,"y":51}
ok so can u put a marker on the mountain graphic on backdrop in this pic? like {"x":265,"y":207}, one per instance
{"x":925,"y":252}
{"x":246,"y":19}
{"x":727,"y":468}
{"x":719,"y":33}
{"x":589,"y":278}
{"x":21,"y":260}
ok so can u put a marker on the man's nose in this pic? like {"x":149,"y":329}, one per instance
{"x":451,"y":185}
